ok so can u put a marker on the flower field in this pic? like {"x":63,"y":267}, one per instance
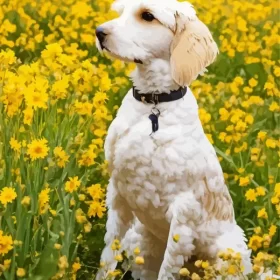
{"x":57,"y":99}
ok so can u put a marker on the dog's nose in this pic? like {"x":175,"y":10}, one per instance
{"x":100,"y":34}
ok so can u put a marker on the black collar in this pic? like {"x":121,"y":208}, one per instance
{"x":154,"y":98}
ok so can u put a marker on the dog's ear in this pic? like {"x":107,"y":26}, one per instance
{"x":192,"y":49}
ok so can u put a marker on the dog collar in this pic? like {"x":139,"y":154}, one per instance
{"x":153,"y":98}
{"x":158,"y":98}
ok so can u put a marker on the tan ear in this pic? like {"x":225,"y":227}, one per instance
{"x":192,"y":50}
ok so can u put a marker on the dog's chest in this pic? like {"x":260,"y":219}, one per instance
{"x":150,"y":170}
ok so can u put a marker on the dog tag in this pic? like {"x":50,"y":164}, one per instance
{"x":154,"y":119}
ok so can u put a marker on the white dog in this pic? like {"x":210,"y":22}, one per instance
{"x":166,"y":179}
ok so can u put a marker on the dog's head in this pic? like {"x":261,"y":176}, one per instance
{"x":166,"y":29}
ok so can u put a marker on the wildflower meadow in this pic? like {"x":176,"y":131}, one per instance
{"x":58,"y":96}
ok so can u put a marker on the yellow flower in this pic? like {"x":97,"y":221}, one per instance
{"x":277,"y":189}
{"x":99,"y":98}
{"x":274,"y":106}
{"x":72,"y":202}
{"x":72,"y":185}
{"x":96,"y":208}
{"x":83,"y":108}
{"x":28,"y":115}
{"x":43,"y":200}
{"x":224,"y":114}
{"x":116,"y":245}
{"x":249,"y":119}
{"x":241,"y":24}
{"x":232,"y":269}
{"x":36,"y":99}
{"x":247,"y":89}
{"x":105,"y":83}
{"x":114,"y":273}
{"x":270,"y":179}
{"x":53,"y":212}
{"x":51,"y":52}
{"x":256,"y":268}
{"x":76,"y":266}
{"x":21,"y":272}
{"x":119,"y":258}
{"x":257,"y":230}
{"x":275,"y":199}
{"x":7,"y":264}
{"x":184,"y":272}
{"x":195,"y":276}
{"x":88,"y":157}
{"x":269,"y":85}
{"x":36,"y":93}
{"x":57,"y":246}
{"x":253,"y":82}
{"x":82,"y":197}
{"x":278,"y":209}
{"x":272,"y":230}
{"x":6,"y":243}
{"x":87,"y":227}
{"x":260,"y":191}
{"x":262,"y":214}
{"x":81,"y":9}
{"x":15,"y":145}
{"x":205,"y":264}
{"x":198,"y":263}
{"x":262,"y":135}
{"x":7,"y":57}
{"x":255,"y":242}
{"x":80,"y":216}
{"x":7,"y":195}
{"x":251,"y":195}
{"x":276,"y":71}
{"x":270,"y":143}
{"x":204,"y":116}
{"x":136,"y":251}
{"x":139,"y":260}
{"x":255,"y":153}
{"x":176,"y":238}
{"x":38,"y":149}
{"x":239,"y":80}
{"x":95,"y":191}
{"x":241,"y":170}
{"x":61,"y":156}
{"x":63,"y":262}
{"x":244,"y":181}
{"x":23,"y":143}
{"x":210,"y":138}
{"x":59,"y":88}
{"x":100,"y":132}
{"x":26,"y":201}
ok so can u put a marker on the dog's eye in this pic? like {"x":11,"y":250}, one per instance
{"x":147,"y":16}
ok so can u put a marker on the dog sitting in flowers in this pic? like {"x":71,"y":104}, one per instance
{"x":167,"y":195}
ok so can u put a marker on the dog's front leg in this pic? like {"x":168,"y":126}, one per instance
{"x":118,"y":222}
{"x":183,"y":215}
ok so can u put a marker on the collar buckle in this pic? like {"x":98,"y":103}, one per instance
{"x":143,"y":99}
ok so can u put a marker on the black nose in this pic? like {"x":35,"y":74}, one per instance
{"x":100,"y":34}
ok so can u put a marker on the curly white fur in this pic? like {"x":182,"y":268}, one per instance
{"x":171,"y":182}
